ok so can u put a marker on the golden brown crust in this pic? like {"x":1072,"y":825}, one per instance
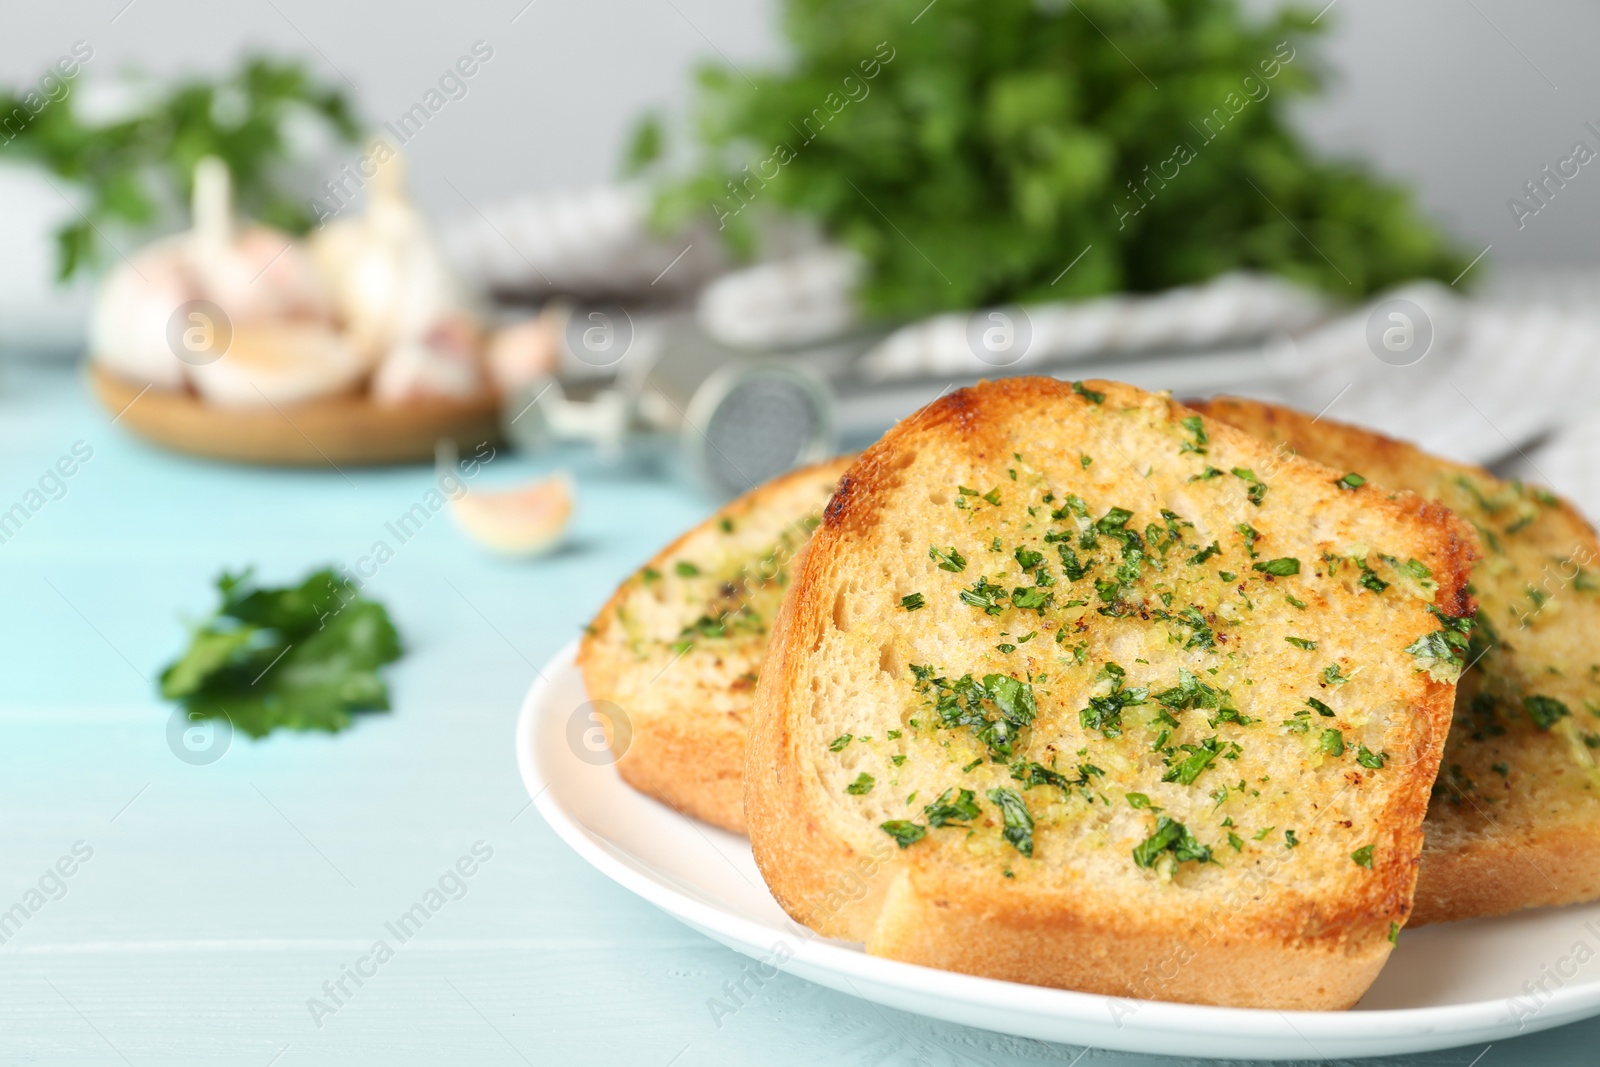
{"x":1301,"y":949}
{"x":1534,"y":840}
{"x":1495,"y":874}
{"x":687,"y":712}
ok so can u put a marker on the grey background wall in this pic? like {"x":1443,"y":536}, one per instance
{"x":1468,"y":99}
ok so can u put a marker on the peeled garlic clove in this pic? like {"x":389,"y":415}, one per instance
{"x":517,"y":522}
{"x":276,"y":363}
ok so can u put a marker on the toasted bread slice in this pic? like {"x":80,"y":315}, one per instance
{"x":1064,"y":692}
{"x":680,"y":644}
{"x":1515,"y":816}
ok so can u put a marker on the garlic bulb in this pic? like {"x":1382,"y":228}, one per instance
{"x":400,"y":302}
{"x":254,"y":276}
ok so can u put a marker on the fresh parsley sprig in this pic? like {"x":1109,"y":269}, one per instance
{"x":301,"y":657}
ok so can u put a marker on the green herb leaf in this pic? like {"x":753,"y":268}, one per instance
{"x":947,"y":812}
{"x":1172,"y":837}
{"x":1363,"y":856}
{"x":948,"y":559}
{"x":1545,"y":711}
{"x":298,"y":657}
{"x":863,"y":784}
{"x":1281,"y":567}
{"x":904,"y":832}
{"x":912,"y":602}
{"x":1088,"y":394}
{"x":1018,"y":822}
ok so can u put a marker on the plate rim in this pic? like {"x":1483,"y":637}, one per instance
{"x":1569,"y":1004}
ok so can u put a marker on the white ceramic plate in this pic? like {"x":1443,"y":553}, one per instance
{"x":1460,"y":984}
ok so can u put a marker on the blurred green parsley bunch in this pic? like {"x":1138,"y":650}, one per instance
{"x":971,"y":149}
{"x":300,"y":657}
{"x":133,"y":167}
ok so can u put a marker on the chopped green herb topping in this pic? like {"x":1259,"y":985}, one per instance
{"x":904,"y":832}
{"x":686,"y":569}
{"x":912,"y":602}
{"x":1195,"y":426}
{"x":1351,"y":481}
{"x":1545,"y":711}
{"x":1018,"y":822}
{"x":1282,"y":567}
{"x":838,"y":743}
{"x":991,"y":598}
{"x":1321,"y":708}
{"x":1258,"y":488}
{"x":947,"y":812}
{"x":1027,"y":558}
{"x":1184,"y":771}
{"x":1442,"y":652}
{"x":1333,"y":742}
{"x":1301,"y":642}
{"x":1104,"y":713}
{"x":1170,"y":836}
{"x":863,"y":784}
{"x":1370,"y":580}
{"x":1251,"y":535}
{"x":1088,"y":394}
{"x":948,"y":559}
{"x":1370,"y":759}
{"x":1363,"y":856}
{"x":1190,"y":692}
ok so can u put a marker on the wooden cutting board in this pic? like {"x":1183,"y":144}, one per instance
{"x":331,"y":431}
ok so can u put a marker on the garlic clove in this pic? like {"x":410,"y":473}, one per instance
{"x":276,"y":363}
{"x":525,"y":351}
{"x":517,"y":522}
{"x":445,"y":362}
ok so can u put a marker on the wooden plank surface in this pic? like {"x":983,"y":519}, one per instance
{"x":218,"y":899}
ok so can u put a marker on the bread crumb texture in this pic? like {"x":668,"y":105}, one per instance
{"x":1515,"y":816}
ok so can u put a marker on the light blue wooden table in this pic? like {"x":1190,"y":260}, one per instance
{"x":219,"y":899}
